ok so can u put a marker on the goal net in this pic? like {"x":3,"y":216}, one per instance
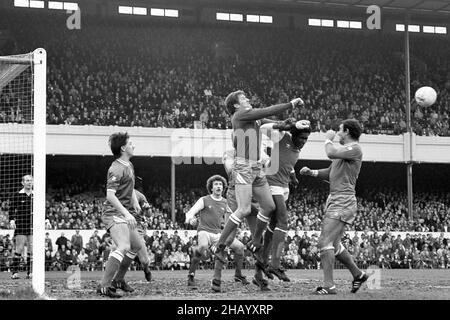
{"x":22,"y":164}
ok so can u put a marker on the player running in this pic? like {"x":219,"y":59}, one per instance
{"x":120,"y":203}
{"x":341,"y":204}
{"x":211,"y":211}
{"x":21,"y":221}
{"x":285,"y":151}
{"x":247,"y":168}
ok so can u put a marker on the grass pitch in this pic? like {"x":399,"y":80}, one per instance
{"x":165,"y":285}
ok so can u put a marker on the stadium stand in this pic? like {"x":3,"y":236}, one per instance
{"x":381,"y":210}
{"x":177,"y":75}
{"x":382,"y":249}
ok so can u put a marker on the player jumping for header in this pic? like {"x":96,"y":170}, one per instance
{"x":285,"y":153}
{"x":228,"y":160}
{"x":247,"y":168}
{"x":341,"y":204}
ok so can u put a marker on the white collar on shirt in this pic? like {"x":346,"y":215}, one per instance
{"x":23,"y":191}
{"x":125,"y":163}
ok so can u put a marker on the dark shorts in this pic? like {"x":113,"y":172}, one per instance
{"x":248,"y":173}
{"x":23,"y":241}
{"x":341,"y":207}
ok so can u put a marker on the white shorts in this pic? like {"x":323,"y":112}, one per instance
{"x":111,"y":220}
{"x":207,"y":239}
{"x":280,"y":191}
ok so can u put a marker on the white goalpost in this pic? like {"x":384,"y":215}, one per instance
{"x":39,"y":144}
{"x":23,"y":98}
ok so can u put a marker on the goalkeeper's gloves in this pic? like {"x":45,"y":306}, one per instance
{"x":305,"y":171}
{"x":297,"y":102}
{"x":302,"y":124}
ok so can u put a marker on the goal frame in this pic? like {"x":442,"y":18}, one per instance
{"x":39,"y":90}
{"x":39,"y":164}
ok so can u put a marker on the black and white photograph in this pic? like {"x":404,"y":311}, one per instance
{"x":228,"y":156}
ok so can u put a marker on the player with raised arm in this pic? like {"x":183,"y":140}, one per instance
{"x":211,"y":211}
{"x":247,"y":167}
{"x":285,"y":151}
{"x":117,"y":216}
{"x":341,"y":206}
{"x":228,"y":161}
{"x":21,"y":220}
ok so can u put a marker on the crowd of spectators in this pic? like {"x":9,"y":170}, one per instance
{"x":382,"y":209}
{"x":83,"y":211}
{"x":113,"y":72}
{"x":383,"y":250}
{"x":378,"y":210}
{"x":173,"y":252}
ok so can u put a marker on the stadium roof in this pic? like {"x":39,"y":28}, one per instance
{"x":417,"y":9}
{"x":398,"y":6}
{"x":416,"y":5}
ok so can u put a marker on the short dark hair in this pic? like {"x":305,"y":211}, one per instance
{"x":298,"y":135}
{"x":231,"y":100}
{"x":353,"y":127}
{"x":117,"y":141}
{"x":211,"y":180}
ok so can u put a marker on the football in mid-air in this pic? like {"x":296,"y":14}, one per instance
{"x":425,"y":96}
